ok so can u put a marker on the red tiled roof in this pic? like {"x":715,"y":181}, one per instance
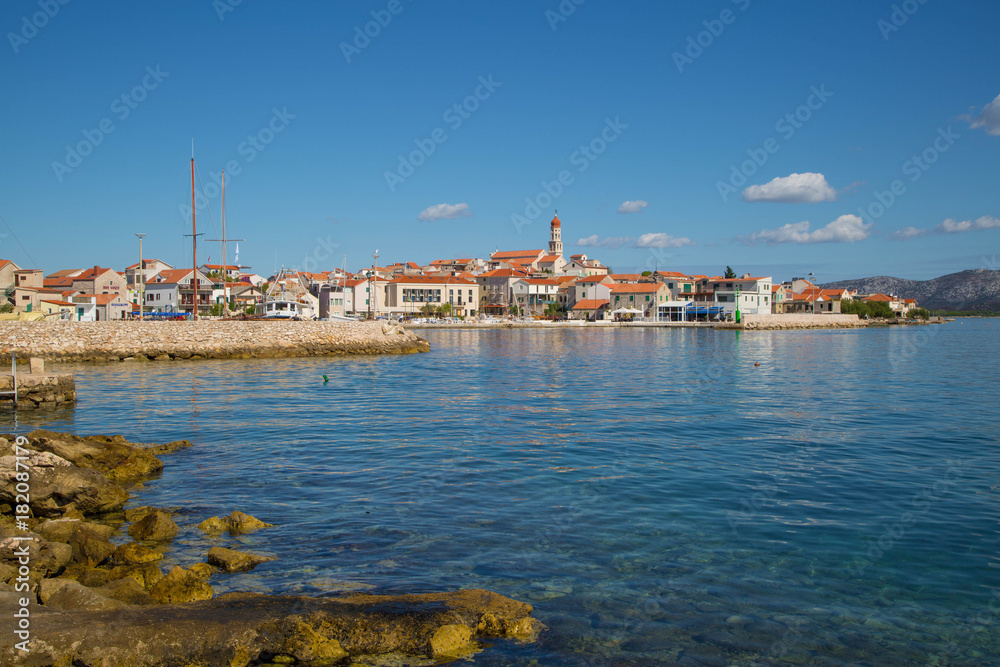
{"x":590,"y":304}
{"x":65,"y":273}
{"x":548,"y":259}
{"x":878,"y":297}
{"x":556,"y":222}
{"x":170,"y":276}
{"x":638,"y":288}
{"x":591,"y":279}
{"x":431,"y":280}
{"x":517,"y":254}
{"x":503,"y":273}
{"x":737,"y":280}
{"x":57,"y":282}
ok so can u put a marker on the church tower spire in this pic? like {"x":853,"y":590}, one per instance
{"x":555,"y":242}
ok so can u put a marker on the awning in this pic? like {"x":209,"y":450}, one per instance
{"x":703,"y":310}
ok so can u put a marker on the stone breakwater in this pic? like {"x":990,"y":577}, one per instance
{"x":89,"y":597}
{"x":39,"y":391}
{"x":795,"y":322}
{"x":205,"y":339}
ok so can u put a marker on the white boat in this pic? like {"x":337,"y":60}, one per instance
{"x":282,"y":304}
{"x":286,"y":309}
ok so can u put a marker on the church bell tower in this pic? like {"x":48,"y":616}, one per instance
{"x":555,"y":242}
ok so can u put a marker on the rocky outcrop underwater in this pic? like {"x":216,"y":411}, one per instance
{"x":82,"y":594}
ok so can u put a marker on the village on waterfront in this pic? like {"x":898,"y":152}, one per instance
{"x":534,"y":283}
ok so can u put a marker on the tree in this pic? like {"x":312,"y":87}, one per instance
{"x":914,"y":313}
{"x":646,"y":274}
{"x":7,"y":308}
{"x":729,"y":272}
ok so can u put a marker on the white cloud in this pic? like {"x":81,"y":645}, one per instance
{"x":907,"y":233}
{"x":633,"y":206}
{"x":989,"y":118}
{"x":660,"y":240}
{"x":445,"y":212}
{"x":950,"y":226}
{"x":807,"y":188}
{"x":845,"y":229}
{"x":595,"y":241}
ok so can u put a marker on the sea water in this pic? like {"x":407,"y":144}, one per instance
{"x":656,"y":496}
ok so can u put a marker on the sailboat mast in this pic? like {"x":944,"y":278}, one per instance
{"x":225,"y":268}
{"x":194,"y":243}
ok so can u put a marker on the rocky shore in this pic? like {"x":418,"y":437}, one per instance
{"x":90,"y":596}
{"x":204,"y":339}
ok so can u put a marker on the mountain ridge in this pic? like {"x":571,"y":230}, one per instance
{"x":972,"y":289}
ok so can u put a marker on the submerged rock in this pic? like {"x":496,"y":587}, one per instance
{"x":236,"y":523}
{"x":244,"y":523}
{"x":240,"y":629}
{"x":213,"y":525}
{"x":230,"y":560}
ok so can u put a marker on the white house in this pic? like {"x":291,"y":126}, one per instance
{"x":750,"y":294}
{"x":532,"y":294}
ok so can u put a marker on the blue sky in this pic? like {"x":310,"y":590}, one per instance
{"x":776,"y":137}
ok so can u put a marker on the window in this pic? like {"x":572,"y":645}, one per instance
{"x":670,"y":285}
{"x":647,"y":297}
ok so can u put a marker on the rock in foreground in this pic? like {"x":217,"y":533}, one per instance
{"x":239,"y":629}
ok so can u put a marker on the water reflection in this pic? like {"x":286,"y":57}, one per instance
{"x":659,"y":498}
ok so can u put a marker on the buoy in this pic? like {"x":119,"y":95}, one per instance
{"x":756,"y":363}
{"x":325,"y":379}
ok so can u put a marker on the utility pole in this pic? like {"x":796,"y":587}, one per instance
{"x":140,"y":276}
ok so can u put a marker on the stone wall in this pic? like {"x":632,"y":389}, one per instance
{"x":796,"y":322}
{"x":46,"y":390}
{"x":204,"y":339}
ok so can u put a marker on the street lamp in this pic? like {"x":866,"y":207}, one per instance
{"x":140,"y":276}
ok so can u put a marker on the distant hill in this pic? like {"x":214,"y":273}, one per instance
{"x":975,"y":289}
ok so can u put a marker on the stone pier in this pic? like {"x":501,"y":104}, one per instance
{"x":206,"y":339}
{"x":37,"y":389}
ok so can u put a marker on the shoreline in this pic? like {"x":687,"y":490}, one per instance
{"x":205,"y":339}
{"x":750,"y":323}
{"x":90,"y":598}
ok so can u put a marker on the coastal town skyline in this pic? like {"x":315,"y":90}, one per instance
{"x":346,"y":129}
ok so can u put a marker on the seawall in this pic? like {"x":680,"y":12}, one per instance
{"x":204,"y":339}
{"x":829,"y":321}
{"x":38,"y":390}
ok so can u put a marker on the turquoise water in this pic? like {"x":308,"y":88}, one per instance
{"x":658,"y":498}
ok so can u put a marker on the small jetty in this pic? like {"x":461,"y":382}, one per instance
{"x":36,"y":389}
